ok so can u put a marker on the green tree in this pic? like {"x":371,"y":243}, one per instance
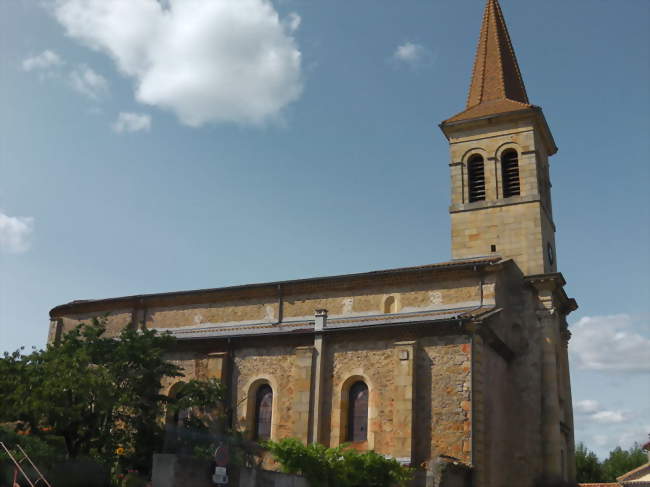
{"x":100,"y":394}
{"x":588,"y":468}
{"x":340,"y":466}
{"x":622,"y":461}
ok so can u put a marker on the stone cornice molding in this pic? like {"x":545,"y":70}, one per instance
{"x":550,"y":287}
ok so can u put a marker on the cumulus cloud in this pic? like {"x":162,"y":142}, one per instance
{"x":206,"y":60}
{"x":410,"y":53}
{"x":293,"y":22}
{"x":132,"y":122}
{"x":609,"y":417}
{"x":604,"y":429}
{"x":588,"y":406}
{"x":609,"y":343}
{"x":45,"y":60}
{"x":86,"y":81}
{"x":15,"y":233}
{"x":590,"y":410}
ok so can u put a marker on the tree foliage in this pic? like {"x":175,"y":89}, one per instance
{"x":588,"y":468}
{"x":622,"y":461}
{"x":340,"y":466}
{"x":101,"y":395}
{"x":619,"y":462}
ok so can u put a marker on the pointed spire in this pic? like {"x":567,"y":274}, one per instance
{"x":497,"y":85}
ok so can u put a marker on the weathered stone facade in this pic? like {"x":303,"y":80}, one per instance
{"x":463,"y":360}
{"x":454,"y":366}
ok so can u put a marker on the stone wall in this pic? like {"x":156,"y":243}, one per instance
{"x":520,"y":227}
{"x":435,"y":387}
{"x":276,"y":366}
{"x":361,"y":297}
{"x":185,"y":471}
{"x":444,"y":397}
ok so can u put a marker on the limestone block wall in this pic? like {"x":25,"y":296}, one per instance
{"x":115,"y":321}
{"x":190,"y":365}
{"x":515,"y":230}
{"x":520,"y":227}
{"x":510,"y":395}
{"x":419,"y":395}
{"x":218,"y":312}
{"x":490,"y":142}
{"x":277,"y":366}
{"x":372,"y":362}
{"x":443,"y":398}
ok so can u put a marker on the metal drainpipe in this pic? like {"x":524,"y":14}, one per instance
{"x":481,"y":283}
{"x":280,"y":304}
{"x":143,"y":325}
{"x":232,"y":410}
{"x":473,"y":382}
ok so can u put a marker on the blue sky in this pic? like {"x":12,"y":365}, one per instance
{"x":153,"y":151}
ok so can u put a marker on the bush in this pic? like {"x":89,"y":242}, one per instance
{"x":79,"y":472}
{"x":340,"y":466}
{"x":44,"y":451}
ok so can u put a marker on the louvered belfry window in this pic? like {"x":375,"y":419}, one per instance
{"x":263,"y":408}
{"x":510,"y":173}
{"x":476,"y":176}
{"x":358,"y":412}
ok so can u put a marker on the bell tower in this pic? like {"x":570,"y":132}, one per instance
{"x":500,"y":146}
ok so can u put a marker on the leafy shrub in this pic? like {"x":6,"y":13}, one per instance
{"x":340,"y":466}
{"x":44,"y":450}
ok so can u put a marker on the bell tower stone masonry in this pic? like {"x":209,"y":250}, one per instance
{"x":500,"y":145}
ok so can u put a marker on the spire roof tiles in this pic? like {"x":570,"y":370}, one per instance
{"x":497,"y":85}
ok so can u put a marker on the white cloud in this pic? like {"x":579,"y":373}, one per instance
{"x":604,"y":429}
{"x":87,"y":82}
{"x":294,"y":21}
{"x":588,"y":406}
{"x":410,"y":53}
{"x":45,"y":60}
{"x":590,"y":410}
{"x":206,"y":60}
{"x":601,"y":440}
{"x":609,"y":343}
{"x":15,"y":233}
{"x":132,"y":122}
{"x":608,"y":417}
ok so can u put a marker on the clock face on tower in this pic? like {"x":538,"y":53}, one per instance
{"x":549,"y":252}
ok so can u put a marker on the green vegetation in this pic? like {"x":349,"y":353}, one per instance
{"x":95,"y":397}
{"x":619,"y":462}
{"x":341,"y":466}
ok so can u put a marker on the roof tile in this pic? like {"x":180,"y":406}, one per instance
{"x":497,"y":85}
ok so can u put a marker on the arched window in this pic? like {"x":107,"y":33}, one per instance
{"x":476,"y":177}
{"x":358,"y":412}
{"x":510,"y":173}
{"x":263,"y":408}
{"x":175,"y":421}
{"x":389,"y":304}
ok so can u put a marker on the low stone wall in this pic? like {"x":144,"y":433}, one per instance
{"x":170,"y":470}
{"x":266,"y":478}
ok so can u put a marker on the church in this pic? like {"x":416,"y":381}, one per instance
{"x":464,"y":360}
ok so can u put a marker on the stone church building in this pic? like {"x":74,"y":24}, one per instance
{"x":464,"y":359}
